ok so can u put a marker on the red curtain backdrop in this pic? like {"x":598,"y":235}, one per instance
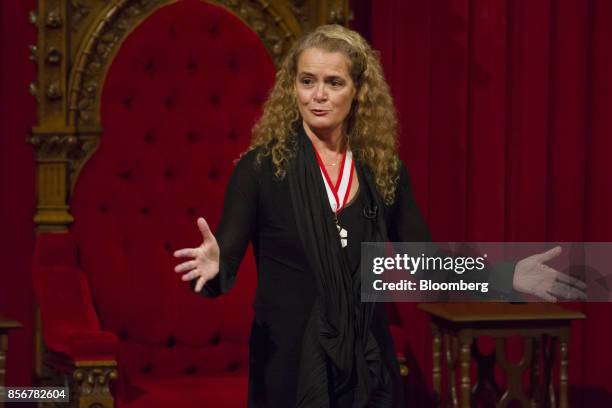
{"x":17,"y":116}
{"x":505,"y":109}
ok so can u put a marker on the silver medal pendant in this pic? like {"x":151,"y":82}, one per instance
{"x":343,"y":235}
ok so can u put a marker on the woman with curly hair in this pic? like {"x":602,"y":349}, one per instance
{"x":322,"y":175}
{"x":311,"y":187}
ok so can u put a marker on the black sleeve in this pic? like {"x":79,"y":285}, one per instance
{"x":406,"y":224}
{"x":237,"y":224}
{"x":404,"y":220}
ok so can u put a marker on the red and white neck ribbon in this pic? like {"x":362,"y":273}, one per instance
{"x":338,"y":193}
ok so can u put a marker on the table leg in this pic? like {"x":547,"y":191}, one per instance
{"x":548,"y":350}
{"x":436,"y":371}
{"x":535,"y":391}
{"x":465,"y":340}
{"x":450,"y":349}
{"x":563,"y":376}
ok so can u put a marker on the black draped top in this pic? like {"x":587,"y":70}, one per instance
{"x":258,"y":209}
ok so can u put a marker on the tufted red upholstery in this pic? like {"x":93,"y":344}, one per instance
{"x":177,"y":107}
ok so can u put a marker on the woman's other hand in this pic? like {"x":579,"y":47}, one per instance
{"x":204,"y":264}
{"x":533,"y":276}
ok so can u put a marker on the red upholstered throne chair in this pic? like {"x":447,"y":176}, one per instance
{"x":177,"y":106}
{"x":182,"y":90}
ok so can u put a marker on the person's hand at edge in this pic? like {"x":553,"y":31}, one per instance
{"x":204,"y":264}
{"x":533,"y":276}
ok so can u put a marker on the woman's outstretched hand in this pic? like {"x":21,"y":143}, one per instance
{"x":533,"y":276}
{"x":205,"y":263}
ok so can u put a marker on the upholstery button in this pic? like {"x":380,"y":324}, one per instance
{"x":192,"y":66}
{"x":191,"y":211}
{"x":191,"y":370}
{"x":122,"y":335}
{"x":256,"y":101}
{"x":172,"y":32}
{"x":171,"y":341}
{"x":144,"y":211}
{"x":149,"y":67}
{"x":169,"y":173}
{"x":169,"y":102}
{"x":214,"y":99}
{"x":213,"y":174}
{"x":126,"y":174}
{"x":214,"y":31}
{"x":192,"y":136}
{"x":233,"y":367}
{"x":233,"y":135}
{"x":232,"y":64}
{"x":167,"y":246}
{"x":147,"y":368}
{"x":103,"y":208}
{"x":149,"y":137}
{"x":216,"y":339}
{"x":127,"y":102}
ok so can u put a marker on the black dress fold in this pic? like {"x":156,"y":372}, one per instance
{"x":338,"y":333}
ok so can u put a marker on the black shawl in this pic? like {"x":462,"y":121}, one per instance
{"x":338,"y":348}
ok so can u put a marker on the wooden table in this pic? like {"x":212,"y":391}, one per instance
{"x":543,"y":326}
{"x":5,"y":326}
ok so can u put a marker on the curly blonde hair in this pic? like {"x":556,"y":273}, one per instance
{"x":371,"y":123}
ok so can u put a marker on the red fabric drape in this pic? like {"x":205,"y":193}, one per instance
{"x":17,"y":175}
{"x":505,"y":111}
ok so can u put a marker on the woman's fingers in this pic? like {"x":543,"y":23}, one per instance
{"x":191,"y":275}
{"x":205,"y":229}
{"x":566,"y":292}
{"x":200,"y":284}
{"x":547,"y":297}
{"x":195,"y":268}
{"x":571,"y":285}
{"x":570,"y":280}
{"x":186,"y":253}
{"x":548,"y":255}
{"x":577,"y":294}
{"x":186,"y":266}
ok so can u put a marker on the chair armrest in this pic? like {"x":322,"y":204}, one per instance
{"x":69,"y":321}
{"x":84,"y":346}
